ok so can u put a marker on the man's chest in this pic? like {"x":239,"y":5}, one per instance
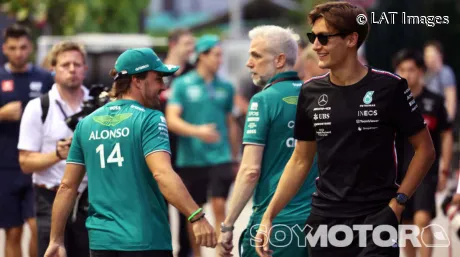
{"x":206,"y":95}
{"x":430,"y":112}
{"x":19,"y":89}
{"x":361,"y":112}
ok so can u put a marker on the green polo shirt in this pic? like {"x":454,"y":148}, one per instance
{"x":270,"y":122}
{"x":203,"y":103}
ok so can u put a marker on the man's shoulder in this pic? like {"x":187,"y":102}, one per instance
{"x":34,"y":105}
{"x":187,"y":78}
{"x":436,"y":98}
{"x":317,"y":80}
{"x":386,"y":77}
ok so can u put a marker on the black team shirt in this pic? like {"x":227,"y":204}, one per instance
{"x":355,"y":127}
{"x":435,"y":115}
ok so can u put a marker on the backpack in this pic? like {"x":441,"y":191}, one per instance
{"x":45,"y":104}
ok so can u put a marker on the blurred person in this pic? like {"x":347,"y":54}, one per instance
{"x":200,"y":112}
{"x":124,"y":149}
{"x":181,"y":45}
{"x":307,"y":65}
{"x":268,"y":144}
{"x":349,"y":117}
{"x":44,"y":142}
{"x":20,"y":82}
{"x":440,"y":78}
{"x":421,"y":209}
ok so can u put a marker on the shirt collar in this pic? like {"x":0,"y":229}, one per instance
{"x":54,"y":93}
{"x":282,"y":75}
{"x":29,"y":68}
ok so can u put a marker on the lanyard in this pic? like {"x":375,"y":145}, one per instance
{"x":62,"y":109}
{"x":280,"y":80}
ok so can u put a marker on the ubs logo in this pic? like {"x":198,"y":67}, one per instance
{"x":322,"y":101}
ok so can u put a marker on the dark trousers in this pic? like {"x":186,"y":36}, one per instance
{"x":153,"y":253}
{"x":76,"y":235}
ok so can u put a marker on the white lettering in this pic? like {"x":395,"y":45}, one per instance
{"x":108,"y":134}
{"x":253,"y":114}
{"x":291,"y":124}
{"x":251,"y":131}
{"x":291,"y":142}
{"x":254,"y":119}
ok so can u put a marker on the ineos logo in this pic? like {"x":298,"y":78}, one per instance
{"x":322,"y":101}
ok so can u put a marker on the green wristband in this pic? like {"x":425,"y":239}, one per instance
{"x":194,"y":214}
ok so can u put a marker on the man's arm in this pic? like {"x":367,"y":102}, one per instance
{"x":421,"y":162}
{"x":234,"y":136}
{"x":294,"y":175}
{"x":447,"y":139}
{"x":450,"y":93}
{"x":64,"y":201}
{"x":31,"y":161}
{"x":246,"y":181}
{"x":171,"y":186}
{"x":177,"y":124}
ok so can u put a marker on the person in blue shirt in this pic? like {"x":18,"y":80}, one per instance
{"x":20,"y":81}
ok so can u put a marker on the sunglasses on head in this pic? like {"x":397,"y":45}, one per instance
{"x":322,"y":38}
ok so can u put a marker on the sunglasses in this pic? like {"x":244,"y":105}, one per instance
{"x":322,"y":38}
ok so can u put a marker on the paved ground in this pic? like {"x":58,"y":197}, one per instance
{"x":240,"y":225}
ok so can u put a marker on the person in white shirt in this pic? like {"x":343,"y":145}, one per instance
{"x":44,"y":144}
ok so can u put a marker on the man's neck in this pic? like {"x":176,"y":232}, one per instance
{"x":416,"y":90}
{"x":206,"y":74}
{"x":14,"y":69}
{"x":71,"y":96}
{"x":349,"y":73}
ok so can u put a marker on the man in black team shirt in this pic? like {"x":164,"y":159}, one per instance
{"x":350,"y":117}
{"x":421,"y":209}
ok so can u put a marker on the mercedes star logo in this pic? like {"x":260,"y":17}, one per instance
{"x":322,"y":101}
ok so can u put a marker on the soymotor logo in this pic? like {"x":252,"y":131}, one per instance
{"x":342,"y":235}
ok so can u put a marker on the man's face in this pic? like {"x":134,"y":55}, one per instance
{"x":433,"y":59}
{"x":185,"y":46}
{"x":261,"y":62}
{"x":311,"y":66}
{"x":70,"y":69}
{"x":151,"y":89}
{"x":17,"y":50}
{"x":409,"y":70}
{"x":213,"y":59}
{"x":335,"y":51}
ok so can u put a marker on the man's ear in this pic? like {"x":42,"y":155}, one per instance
{"x":280,"y":61}
{"x":352,"y":39}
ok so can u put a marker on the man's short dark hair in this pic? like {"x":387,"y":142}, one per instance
{"x":16,"y":31}
{"x":342,"y":17}
{"x":174,"y":36}
{"x":406,"y":55}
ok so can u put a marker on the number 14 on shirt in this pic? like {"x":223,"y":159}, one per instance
{"x":114,"y":157}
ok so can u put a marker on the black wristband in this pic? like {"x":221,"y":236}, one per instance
{"x":197,"y":219}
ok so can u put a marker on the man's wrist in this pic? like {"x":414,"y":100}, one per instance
{"x":226,"y":227}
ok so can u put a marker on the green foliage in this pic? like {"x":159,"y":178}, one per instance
{"x":68,"y":17}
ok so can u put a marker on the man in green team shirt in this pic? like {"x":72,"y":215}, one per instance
{"x":269,"y":143}
{"x":124,"y":148}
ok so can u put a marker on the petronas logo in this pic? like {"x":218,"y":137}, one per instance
{"x":367,"y":99}
{"x":291,"y":99}
{"x":112,"y":120}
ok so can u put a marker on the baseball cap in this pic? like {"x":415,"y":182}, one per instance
{"x":138,"y":60}
{"x":205,"y":43}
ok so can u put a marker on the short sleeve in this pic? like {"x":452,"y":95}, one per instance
{"x":31,"y":128}
{"x":76,"y":155}
{"x":407,"y":116}
{"x":303,"y":128}
{"x":257,"y":122}
{"x":177,"y":96}
{"x":155,"y":136}
{"x":447,"y":77}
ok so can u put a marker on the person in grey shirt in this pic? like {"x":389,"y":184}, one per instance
{"x":440,"y":78}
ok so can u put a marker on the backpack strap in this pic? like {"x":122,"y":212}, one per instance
{"x":45,"y":103}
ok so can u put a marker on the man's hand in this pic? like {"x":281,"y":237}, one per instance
{"x":262,"y":238}
{"x":225,"y":244}
{"x":11,"y":111}
{"x":442,"y":182}
{"x":208,"y":133}
{"x":397,"y":208}
{"x":62,"y":147}
{"x":204,"y":233}
{"x":55,"y":250}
